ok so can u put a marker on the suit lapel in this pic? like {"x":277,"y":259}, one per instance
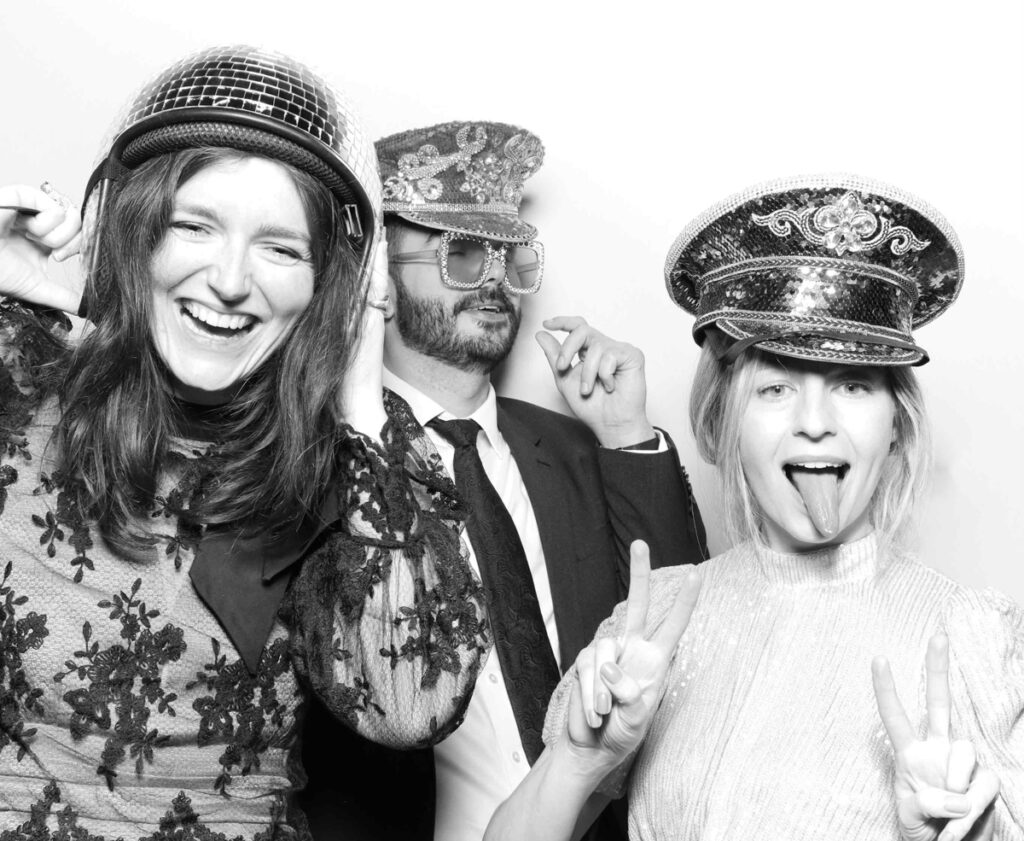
{"x":543,"y":477}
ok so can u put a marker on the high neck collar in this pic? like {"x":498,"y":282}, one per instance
{"x":848,"y":562}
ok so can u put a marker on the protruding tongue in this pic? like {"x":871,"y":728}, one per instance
{"x":820,"y":492}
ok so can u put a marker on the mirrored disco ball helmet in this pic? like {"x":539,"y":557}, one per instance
{"x":256,"y":101}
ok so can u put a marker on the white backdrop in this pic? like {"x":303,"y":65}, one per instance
{"x":648,"y":117}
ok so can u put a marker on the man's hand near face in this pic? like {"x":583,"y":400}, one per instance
{"x":605,"y":387}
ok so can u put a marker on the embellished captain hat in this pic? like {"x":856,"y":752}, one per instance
{"x":256,"y":101}
{"x":461,"y":177}
{"x":826,"y":267}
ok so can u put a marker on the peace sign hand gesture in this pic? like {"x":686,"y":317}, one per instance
{"x":621,"y":680}
{"x":941,"y":794}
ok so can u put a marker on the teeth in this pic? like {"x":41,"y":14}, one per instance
{"x":223,"y":320}
{"x":816,"y":465}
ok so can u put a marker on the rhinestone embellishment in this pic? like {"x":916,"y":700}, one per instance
{"x":846,"y":225}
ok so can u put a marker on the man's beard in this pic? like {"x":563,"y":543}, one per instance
{"x":429,"y":327}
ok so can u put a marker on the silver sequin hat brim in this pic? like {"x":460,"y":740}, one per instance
{"x":686,"y":299}
{"x":825,"y":267}
{"x":493,"y":226}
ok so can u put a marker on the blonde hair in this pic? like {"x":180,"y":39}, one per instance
{"x":718,"y":400}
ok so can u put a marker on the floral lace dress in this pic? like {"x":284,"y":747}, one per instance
{"x":126,"y":711}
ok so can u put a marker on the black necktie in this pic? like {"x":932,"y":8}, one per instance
{"x":524,"y":651}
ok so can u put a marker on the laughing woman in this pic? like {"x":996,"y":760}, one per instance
{"x":188,"y":480}
{"x":818,"y":682}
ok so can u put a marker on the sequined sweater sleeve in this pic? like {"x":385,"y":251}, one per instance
{"x":389,"y":628}
{"x":662,"y":596}
{"x":986,"y":641}
{"x":769,"y":700}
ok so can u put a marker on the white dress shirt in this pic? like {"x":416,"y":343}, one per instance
{"x":482,"y":762}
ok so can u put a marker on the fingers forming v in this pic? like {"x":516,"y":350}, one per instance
{"x":963,"y":759}
{"x":639,"y":590}
{"x":894,"y":717}
{"x":667,"y":637}
{"x":937,"y":701}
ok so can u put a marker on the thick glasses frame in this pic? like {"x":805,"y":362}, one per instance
{"x":439,"y":256}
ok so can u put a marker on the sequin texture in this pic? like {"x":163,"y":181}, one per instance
{"x":836,"y":268}
{"x":257,"y":101}
{"x":466,"y":177}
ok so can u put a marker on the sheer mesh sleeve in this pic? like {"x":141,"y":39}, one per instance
{"x":32,"y":355}
{"x":389,"y":622}
{"x":986,"y":645}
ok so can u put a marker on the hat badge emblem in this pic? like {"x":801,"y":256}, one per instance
{"x":846,"y":225}
{"x":417,"y":171}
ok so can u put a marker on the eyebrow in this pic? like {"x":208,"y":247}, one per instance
{"x":266,"y":230}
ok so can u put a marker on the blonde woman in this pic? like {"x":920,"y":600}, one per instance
{"x":818,"y":682}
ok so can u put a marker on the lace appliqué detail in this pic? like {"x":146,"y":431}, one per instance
{"x":124,"y":681}
{"x":846,"y":225}
{"x":180,"y":823}
{"x":392,"y":604}
{"x":194,"y":468}
{"x":17,"y":695}
{"x":32,"y":343}
{"x":244,"y":710}
{"x":8,"y":476}
{"x":64,"y":523}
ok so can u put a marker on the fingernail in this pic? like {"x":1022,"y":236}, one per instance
{"x":604,"y":703}
{"x":595,"y":720}
{"x":957,"y":803}
{"x":611,"y":673}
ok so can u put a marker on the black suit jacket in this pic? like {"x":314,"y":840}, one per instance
{"x":590,"y":504}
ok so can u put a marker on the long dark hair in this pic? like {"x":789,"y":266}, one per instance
{"x":274,"y":453}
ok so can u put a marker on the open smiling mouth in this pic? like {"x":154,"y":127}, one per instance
{"x":818,"y":482}
{"x":218,"y":324}
{"x":489,"y":309}
{"x":492,"y":306}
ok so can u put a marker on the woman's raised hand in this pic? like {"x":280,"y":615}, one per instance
{"x":621,"y":680}
{"x":35,"y":226}
{"x":362,"y":392}
{"x":941,"y":794}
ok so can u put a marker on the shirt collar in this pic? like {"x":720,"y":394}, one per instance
{"x":425,"y":409}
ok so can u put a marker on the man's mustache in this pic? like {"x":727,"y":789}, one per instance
{"x":493,"y":297}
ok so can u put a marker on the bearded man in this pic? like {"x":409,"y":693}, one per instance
{"x":552,"y":502}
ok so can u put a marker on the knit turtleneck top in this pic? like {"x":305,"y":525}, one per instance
{"x":769,"y":726}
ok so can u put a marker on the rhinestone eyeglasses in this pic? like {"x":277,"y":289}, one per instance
{"x":465,"y":262}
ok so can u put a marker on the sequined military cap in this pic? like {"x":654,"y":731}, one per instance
{"x":465,"y":177}
{"x":257,"y":101}
{"x":829,"y":267}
